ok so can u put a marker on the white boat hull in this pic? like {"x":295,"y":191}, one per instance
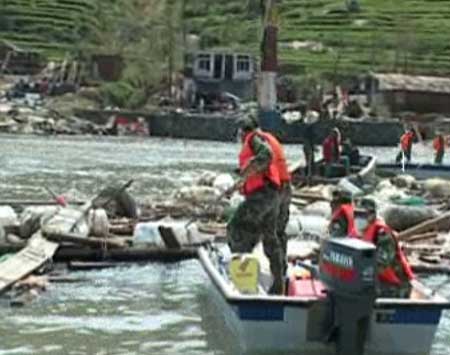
{"x":273,"y":325}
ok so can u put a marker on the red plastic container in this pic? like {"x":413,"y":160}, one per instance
{"x":301,"y":287}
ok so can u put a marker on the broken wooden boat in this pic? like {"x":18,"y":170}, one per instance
{"x":163,"y":241}
{"x":332,"y":310}
{"x":364,"y":172}
{"x":419,"y":171}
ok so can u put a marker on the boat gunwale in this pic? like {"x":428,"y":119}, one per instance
{"x":413,"y":166}
{"x":365,"y":171}
{"x":305,"y":302}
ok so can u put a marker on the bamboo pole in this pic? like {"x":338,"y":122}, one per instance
{"x":430,"y":269}
{"x":422,"y":237}
{"x":422,"y":248}
{"x":427,"y":226}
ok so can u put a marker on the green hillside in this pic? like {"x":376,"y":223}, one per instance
{"x":385,"y":35}
{"x":52,"y":26}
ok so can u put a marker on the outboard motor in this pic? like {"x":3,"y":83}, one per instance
{"x":347,"y":267}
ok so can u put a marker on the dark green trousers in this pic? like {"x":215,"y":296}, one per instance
{"x":256,"y":219}
{"x":439,"y":157}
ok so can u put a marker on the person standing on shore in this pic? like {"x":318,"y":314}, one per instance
{"x":309,"y":138}
{"x":331,"y":151}
{"x":257,"y":217}
{"x":439,"y":146}
{"x":406,"y":142}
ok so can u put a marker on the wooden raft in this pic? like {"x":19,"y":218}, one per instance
{"x":20,"y":265}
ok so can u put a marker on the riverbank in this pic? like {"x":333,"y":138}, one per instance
{"x":79,"y":114}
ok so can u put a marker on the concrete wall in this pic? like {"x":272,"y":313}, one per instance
{"x":385,"y":133}
{"x":221,"y":128}
{"x":201,"y":127}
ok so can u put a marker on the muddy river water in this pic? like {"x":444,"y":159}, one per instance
{"x":137,"y":309}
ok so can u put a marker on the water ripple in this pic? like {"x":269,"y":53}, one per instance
{"x":138,"y":309}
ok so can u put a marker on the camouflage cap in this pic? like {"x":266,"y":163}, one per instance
{"x":248,"y":122}
{"x":369,"y":204}
{"x":341,"y":196}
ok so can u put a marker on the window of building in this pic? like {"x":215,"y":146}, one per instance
{"x":243,"y":63}
{"x":204,"y":62}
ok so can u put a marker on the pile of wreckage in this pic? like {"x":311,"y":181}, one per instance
{"x":113,"y":228}
{"x":26,"y":109}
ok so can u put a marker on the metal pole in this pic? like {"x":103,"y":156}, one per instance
{"x":267,"y":99}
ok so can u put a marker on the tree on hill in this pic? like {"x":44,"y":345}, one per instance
{"x":148,"y":35}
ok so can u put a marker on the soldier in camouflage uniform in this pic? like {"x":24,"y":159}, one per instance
{"x":394,"y":272}
{"x":256,"y":218}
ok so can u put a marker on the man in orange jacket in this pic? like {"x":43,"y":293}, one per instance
{"x":257,"y":217}
{"x":439,"y":145}
{"x":406,"y":142}
{"x":343,"y":219}
{"x":394,"y":271}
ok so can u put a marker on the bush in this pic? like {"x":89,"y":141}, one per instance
{"x":116,"y":94}
{"x":137,"y":99}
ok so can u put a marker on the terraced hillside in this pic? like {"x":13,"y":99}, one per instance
{"x":316,"y":36}
{"x":49,"y":25}
{"x":402,"y":35}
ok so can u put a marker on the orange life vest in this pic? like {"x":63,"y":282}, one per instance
{"x":346,"y":211}
{"x":257,"y":181}
{"x":388,"y":275}
{"x":439,"y":143}
{"x":278,"y":153}
{"x":406,"y":140}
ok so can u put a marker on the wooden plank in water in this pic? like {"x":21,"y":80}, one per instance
{"x":97,"y":265}
{"x":142,"y":254}
{"x":24,"y":203}
{"x":91,"y":241}
{"x":30,"y":258}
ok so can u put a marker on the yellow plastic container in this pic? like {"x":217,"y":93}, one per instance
{"x":244,"y":273}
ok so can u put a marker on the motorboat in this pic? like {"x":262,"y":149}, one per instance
{"x":362,"y":172}
{"x":311,"y":317}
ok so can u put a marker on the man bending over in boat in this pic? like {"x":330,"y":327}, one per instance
{"x":394,"y":271}
{"x":343,"y":217}
{"x":258,"y":215}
